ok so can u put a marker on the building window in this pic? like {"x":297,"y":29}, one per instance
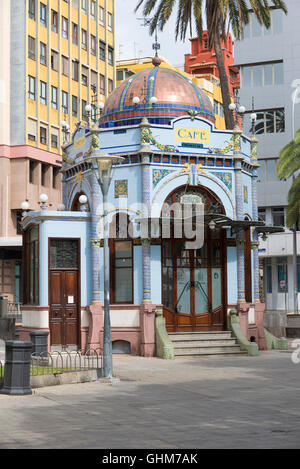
{"x":84,"y":76}
{"x":262,"y":75}
{"x":31,"y":266}
{"x":43,"y":141}
{"x":102,"y":84}
{"x":31,"y":47}
{"x":102,"y":47}
{"x":110,"y":86}
{"x":268,"y":261}
{"x":110,"y":56}
{"x":31,"y":9}
{"x":255,"y":29}
{"x":43,"y":93}
{"x":93,"y":44}
{"x":55,"y":178}
{"x":268,"y":122}
{"x":74,"y":106}
{"x":54,"y":141}
{"x":65,"y":65}
{"x":43,"y":53}
{"x":282,"y":274}
{"x":54,"y":21}
{"x":54,"y":103}
{"x":31,"y":88}
{"x":278,"y":216}
{"x":109,"y":21}
{"x":54,"y":60}
{"x":83,"y":113}
{"x":31,"y":130}
{"x":43,"y":14}
{"x":64,"y":102}
{"x":84,"y":39}
{"x":75,"y":33}
{"x":93,"y":9}
{"x":64,"y":27}
{"x":101,"y":15}
{"x":94,"y":77}
{"x":84,"y":6}
{"x":75,"y":70}
{"x":121,"y":265}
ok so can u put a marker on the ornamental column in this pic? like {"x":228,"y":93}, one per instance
{"x":255,"y":243}
{"x":95,"y":310}
{"x":240,"y":238}
{"x":147,"y":313}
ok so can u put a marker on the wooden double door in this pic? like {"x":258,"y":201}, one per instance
{"x":194,"y":290}
{"x":64,"y":298}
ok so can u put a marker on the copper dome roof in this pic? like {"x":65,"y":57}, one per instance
{"x":176,"y":96}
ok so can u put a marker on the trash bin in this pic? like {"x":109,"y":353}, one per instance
{"x":3,"y":306}
{"x":17,"y":368}
{"x":39,"y":341}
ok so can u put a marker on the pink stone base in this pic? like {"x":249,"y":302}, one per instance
{"x":96,"y":314}
{"x":257,"y":329}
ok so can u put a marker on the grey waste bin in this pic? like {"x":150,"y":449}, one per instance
{"x":3,"y":305}
{"x":39,"y":341}
{"x":17,"y":368}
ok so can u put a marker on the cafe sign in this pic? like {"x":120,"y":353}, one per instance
{"x":183,"y":134}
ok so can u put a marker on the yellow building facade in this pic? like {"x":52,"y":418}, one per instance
{"x":126,"y":68}
{"x":70,"y":62}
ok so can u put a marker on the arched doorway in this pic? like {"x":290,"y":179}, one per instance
{"x":194,"y":280}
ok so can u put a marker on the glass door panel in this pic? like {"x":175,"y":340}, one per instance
{"x":183,"y":291}
{"x":216,"y":287}
{"x":201,"y":291}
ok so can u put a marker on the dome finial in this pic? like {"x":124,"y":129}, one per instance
{"x":156,"y":61}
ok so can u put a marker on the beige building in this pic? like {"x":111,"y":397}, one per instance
{"x":57,"y":56}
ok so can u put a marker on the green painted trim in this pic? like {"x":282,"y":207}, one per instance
{"x":235,"y":327}
{"x":274,"y":343}
{"x":164,"y":346}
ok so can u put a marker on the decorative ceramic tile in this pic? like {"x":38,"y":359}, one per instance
{"x":245,"y":194}
{"x":121,"y":188}
{"x":158,"y":175}
{"x":226,"y":178}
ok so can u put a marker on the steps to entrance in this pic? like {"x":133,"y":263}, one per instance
{"x":204,"y":343}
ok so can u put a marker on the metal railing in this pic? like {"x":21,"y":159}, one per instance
{"x":65,"y":362}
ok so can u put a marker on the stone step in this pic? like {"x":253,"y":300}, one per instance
{"x":203,"y":342}
{"x":179,"y":336}
{"x":208,"y":353}
{"x":188,"y":349}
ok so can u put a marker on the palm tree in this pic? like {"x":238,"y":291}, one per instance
{"x":219,"y":15}
{"x":289,"y":164}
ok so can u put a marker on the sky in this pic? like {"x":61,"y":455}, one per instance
{"x":133,"y":39}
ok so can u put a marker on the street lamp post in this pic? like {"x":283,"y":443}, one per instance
{"x":296,"y":99}
{"x":102,"y":165}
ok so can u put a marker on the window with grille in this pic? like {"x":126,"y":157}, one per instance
{"x":63,"y":254}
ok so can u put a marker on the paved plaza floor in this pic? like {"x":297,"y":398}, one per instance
{"x":194,"y":403}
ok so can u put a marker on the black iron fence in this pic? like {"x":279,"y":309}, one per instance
{"x":65,"y":362}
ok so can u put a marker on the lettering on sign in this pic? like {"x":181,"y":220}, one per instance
{"x":79,"y":142}
{"x":183,"y":134}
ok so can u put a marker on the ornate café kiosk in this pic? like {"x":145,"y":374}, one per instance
{"x":166,"y":298}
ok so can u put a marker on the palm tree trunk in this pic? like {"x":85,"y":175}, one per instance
{"x":229,"y":120}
